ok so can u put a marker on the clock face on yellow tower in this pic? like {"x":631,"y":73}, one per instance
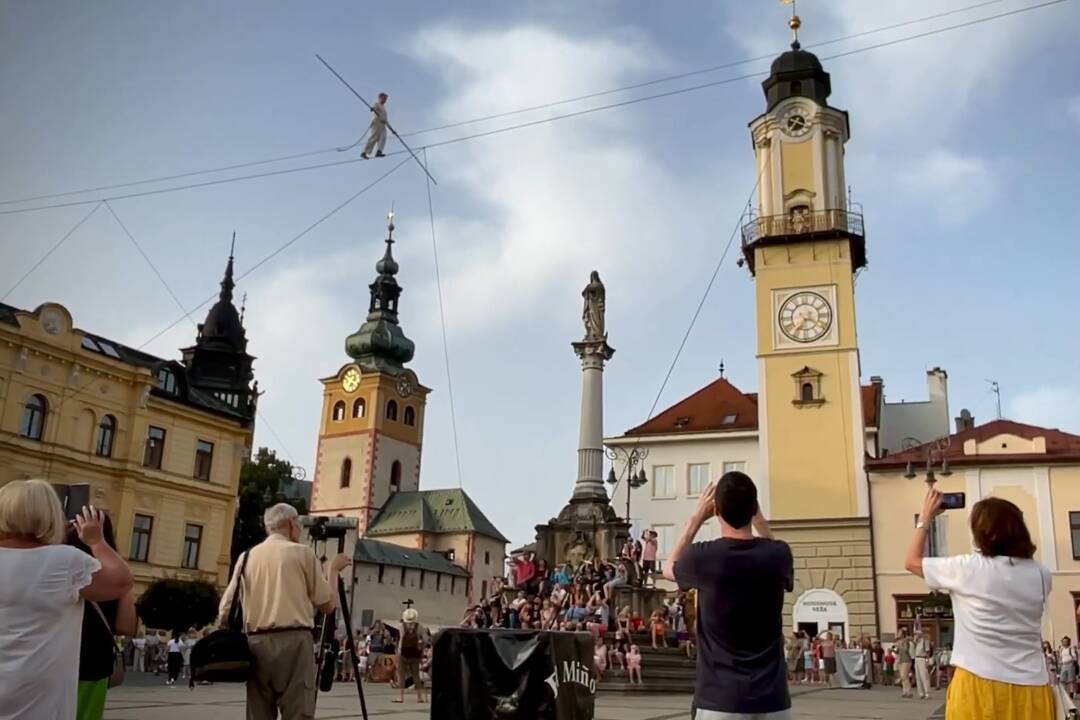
{"x":805,"y":317}
{"x":351,"y":380}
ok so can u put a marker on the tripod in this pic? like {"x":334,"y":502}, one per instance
{"x":326,"y":640}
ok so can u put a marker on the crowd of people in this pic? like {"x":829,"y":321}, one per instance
{"x":585,"y":599}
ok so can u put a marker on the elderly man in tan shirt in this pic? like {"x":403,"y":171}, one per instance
{"x":281,"y":589}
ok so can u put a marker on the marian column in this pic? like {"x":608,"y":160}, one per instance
{"x":594,"y":351}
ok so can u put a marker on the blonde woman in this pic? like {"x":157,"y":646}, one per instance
{"x":41,"y":634}
{"x":998,"y":596}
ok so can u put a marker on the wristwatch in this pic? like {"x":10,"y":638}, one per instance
{"x":920,"y":525}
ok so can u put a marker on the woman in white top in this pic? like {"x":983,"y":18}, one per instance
{"x":41,"y":599}
{"x":998,"y":595}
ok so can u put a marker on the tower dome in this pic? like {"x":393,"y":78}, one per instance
{"x":796,"y":73}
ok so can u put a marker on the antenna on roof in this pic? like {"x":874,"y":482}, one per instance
{"x":996,"y":389}
{"x":721,"y":368}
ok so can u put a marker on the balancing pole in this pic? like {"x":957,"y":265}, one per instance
{"x":388,"y":125}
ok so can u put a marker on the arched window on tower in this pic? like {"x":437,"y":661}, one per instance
{"x":410,"y":415}
{"x":339,"y":410}
{"x":106,"y":433}
{"x":391,"y":410}
{"x":346,"y":472}
{"x":358,"y":408}
{"x":395,"y":477}
{"x":807,"y":394}
{"x":33,"y":419}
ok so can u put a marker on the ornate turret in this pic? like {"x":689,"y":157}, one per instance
{"x":796,"y":73}
{"x":380,"y":345}
{"x":218,"y":364}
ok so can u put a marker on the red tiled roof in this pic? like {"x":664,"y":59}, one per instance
{"x":703,"y":411}
{"x":706,"y":410}
{"x":1060,"y":447}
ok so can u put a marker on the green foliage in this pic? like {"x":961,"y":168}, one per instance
{"x":263,"y":482}
{"x":178,"y":605}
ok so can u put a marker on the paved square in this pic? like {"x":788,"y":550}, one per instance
{"x":146,"y":696}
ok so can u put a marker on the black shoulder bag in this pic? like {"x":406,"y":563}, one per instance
{"x":224,"y":655}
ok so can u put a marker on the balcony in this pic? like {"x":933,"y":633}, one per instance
{"x":801,"y":226}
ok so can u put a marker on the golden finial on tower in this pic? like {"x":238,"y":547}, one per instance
{"x":794,"y":23}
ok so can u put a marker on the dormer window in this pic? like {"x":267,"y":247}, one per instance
{"x":728,"y":420}
{"x":166,"y":380}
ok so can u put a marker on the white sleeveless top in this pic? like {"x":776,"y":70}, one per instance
{"x":41,"y":630}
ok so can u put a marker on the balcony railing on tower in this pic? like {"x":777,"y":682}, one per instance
{"x":802,"y":222}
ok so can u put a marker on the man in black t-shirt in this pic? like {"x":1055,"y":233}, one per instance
{"x":741,"y":581}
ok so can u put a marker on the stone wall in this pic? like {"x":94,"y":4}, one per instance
{"x":832,"y":555}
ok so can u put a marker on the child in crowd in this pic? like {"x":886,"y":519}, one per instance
{"x":633,"y":664}
{"x":890,"y":663}
{"x":619,"y":649}
{"x":600,"y":657}
{"x":658,"y":629}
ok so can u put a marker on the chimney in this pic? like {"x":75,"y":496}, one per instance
{"x":966,"y":421}
{"x":937,"y":383}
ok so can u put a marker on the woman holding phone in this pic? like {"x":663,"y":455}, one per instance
{"x":998,"y":596}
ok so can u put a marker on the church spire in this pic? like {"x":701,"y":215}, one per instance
{"x":380,"y":344}
{"x":227,"y":284}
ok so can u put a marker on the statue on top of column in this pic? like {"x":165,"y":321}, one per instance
{"x":593,"y":312}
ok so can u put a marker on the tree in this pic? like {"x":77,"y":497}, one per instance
{"x":178,"y":605}
{"x":263,"y":482}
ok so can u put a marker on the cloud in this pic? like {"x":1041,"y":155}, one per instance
{"x":920,"y":88}
{"x":1050,"y":406}
{"x":955,"y":186}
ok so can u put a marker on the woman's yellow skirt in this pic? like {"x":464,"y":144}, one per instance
{"x":973,"y":698}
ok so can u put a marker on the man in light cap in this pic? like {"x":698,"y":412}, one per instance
{"x":377,"y":131}
{"x":410,"y":652}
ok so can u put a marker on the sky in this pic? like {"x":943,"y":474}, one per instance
{"x":963,"y":152}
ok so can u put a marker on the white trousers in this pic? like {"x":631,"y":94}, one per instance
{"x":922,"y":676}
{"x":376,"y":138}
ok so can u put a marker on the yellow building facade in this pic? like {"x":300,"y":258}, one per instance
{"x":803,"y":246}
{"x":1036,"y":468}
{"x":158,"y":444}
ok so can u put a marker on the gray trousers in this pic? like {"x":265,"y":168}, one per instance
{"x":714,"y":715}
{"x":282,"y":677}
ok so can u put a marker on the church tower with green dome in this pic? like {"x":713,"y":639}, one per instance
{"x":372,"y":424}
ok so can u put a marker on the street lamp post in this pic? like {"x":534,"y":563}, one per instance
{"x":630,"y":459}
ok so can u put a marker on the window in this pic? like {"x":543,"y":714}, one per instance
{"x":1074,"y":530}
{"x":450,"y":554}
{"x":339,"y":411}
{"x":192,"y":542}
{"x":735,"y":466}
{"x":395,"y":476}
{"x":346,"y":472}
{"x":807,"y":392}
{"x":487,"y":558}
{"x":33,"y":419}
{"x":483,"y":588}
{"x":421,"y":579}
{"x":663,"y":481}
{"x":204,"y":459}
{"x":438,"y":582}
{"x":140,"y":538}
{"x":665,"y":540}
{"x":155,"y":447}
{"x":382,"y":569}
{"x":358,"y":408}
{"x":453,"y":582}
{"x":391,"y":410}
{"x":410,"y":415}
{"x":699,"y":478}
{"x":402,"y":583}
{"x":728,"y":420}
{"x":166,"y":380}
{"x":106,"y":433}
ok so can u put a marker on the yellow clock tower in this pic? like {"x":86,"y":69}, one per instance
{"x":372,"y":421}
{"x":803,"y":246}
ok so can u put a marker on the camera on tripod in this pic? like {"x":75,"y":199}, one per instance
{"x":322,"y":528}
